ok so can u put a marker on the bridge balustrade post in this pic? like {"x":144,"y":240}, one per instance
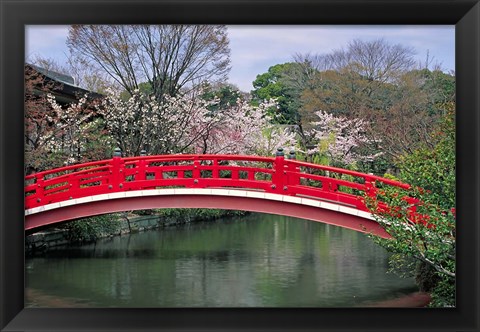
{"x":370,"y":189}
{"x":292,"y":155}
{"x":215,"y":170}
{"x":117,"y":171}
{"x":278,"y":177}
{"x":39,"y":191}
{"x":196,"y":172}
{"x":74,"y":183}
{"x":292,"y":177}
{"x":141,"y":174}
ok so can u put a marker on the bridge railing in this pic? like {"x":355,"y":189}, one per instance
{"x":197,"y":171}
{"x":277,"y":175}
{"x":148,"y":172}
{"x":334,"y":184}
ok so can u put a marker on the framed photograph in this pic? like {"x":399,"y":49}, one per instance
{"x":292,"y":21}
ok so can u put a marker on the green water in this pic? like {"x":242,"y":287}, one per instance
{"x":254,"y":261}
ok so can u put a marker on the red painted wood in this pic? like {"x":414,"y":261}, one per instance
{"x":201,"y":201}
{"x":273,"y":175}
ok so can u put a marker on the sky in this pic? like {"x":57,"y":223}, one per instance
{"x":256,"y":48}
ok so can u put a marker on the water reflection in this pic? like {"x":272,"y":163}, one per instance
{"x":259,"y":260}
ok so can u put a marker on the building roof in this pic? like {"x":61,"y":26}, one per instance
{"x":66,"y":92}
{"x":62,"y":78}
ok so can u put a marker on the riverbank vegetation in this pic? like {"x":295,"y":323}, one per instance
{"x":367,"y":107}
{"x":94,"y":228}
{"x":428,"y":242}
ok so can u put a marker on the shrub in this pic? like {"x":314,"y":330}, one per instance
{"x":91,"y":229}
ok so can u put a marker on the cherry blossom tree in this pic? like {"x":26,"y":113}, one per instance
{"x":186,"y":123}
{"x":144,"y":123}
{"x":189,"y":124}
{"x":75,"y":134}
{"x":56,"y":135}
{"x":340,"y":138}
{"x":37,"y":110}
{"x":245,"y":129}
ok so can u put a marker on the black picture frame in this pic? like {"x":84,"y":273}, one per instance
{"x":464,"y":14}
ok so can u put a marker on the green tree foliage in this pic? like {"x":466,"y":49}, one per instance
{"x":91,"y":229}
{"x":437,"y":86}
{"x":434,"y":169}
{"x":402,"y":113}
{"x":145,"y":89}
{"x":276,"y":84}
{"x":227,"y":96}
{"x":427,"y":234}
{"x":357,"y":76}
{"x":377,"y":82}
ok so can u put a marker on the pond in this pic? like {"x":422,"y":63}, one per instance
{"x":258,"y":260}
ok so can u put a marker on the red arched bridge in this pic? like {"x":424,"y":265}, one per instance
{"x":274,"y":185}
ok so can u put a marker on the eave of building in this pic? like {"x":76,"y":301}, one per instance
{"x":64,"y":93}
